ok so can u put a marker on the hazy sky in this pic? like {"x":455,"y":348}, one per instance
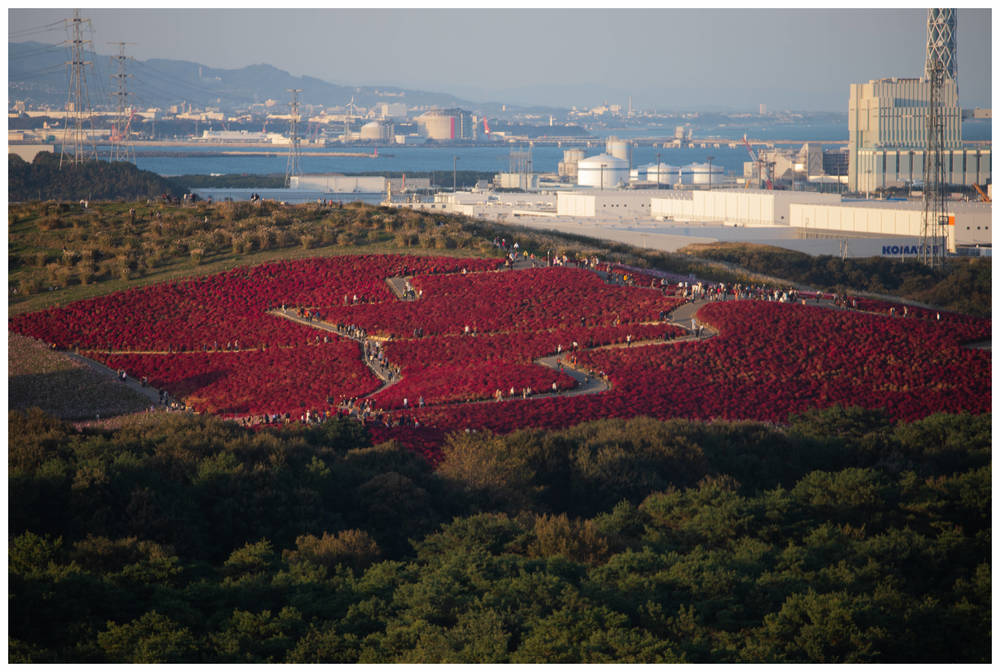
{"x":797,"y":59}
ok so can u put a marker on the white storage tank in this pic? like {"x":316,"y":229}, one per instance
{"x":697,"y":173}
{"x":437,"y":125}
{"x":620,"y":149}
{"x":376,"y":131}
{"x":602,"y":171}
{"x":663,"y":173}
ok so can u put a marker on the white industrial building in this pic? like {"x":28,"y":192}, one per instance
{"x":734,"y":207}
{"x":358,"y":184}
{"x":810,"y":222}
{"x":567,"y":168}
{"x":969,"y":223}
{"x":242,"y":136}
{"x":522,"y":181}
{"x":887,"y":122}
{"x":604,"y":203}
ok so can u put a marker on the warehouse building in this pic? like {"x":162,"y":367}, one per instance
{"x":734,"y":207}
{"x":969,"y":223}
{"x":604,"y":203}
{"x":359,"y":184}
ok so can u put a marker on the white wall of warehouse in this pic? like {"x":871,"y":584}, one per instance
{"x":972,"y":222}
{"x":575,"y":205}
{"x":747,"y":208}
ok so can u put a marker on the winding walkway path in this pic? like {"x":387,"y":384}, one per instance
{"x":587,"y":381}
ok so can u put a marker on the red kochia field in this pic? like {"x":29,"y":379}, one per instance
{"x":767,"y":361}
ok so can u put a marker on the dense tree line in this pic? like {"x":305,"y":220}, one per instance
{"x":43,"y":179}
{"x":964,"y":285}
{"x":841,"y":537}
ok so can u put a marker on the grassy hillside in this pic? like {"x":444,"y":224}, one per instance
{"x":964,"y":285}
{"x":60,"y":252}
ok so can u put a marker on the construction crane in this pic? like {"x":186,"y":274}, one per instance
{"x":760,"y":163}
{"x":119,"y":133}
{"x":982,"y":194}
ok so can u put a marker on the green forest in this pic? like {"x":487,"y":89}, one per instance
{"x":841,"y":537}
{"x":43,"y":179}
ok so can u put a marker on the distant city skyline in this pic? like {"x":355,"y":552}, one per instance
{"x":665,"y":59}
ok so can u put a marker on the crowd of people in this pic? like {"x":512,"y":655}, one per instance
{"x":365,"y":411}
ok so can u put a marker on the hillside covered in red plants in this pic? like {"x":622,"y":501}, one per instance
{"x":474,"y":331}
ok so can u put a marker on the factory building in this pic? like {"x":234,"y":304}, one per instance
{"x":744,"y":207}
{"x":969,"y":223}
{"x":883,"y":168}
{"x":391,"y":110}
{"x":602,"y":171}
{"x":810,"y":164}
{"x":887,"y":122}
{"x":521,"y":181}
{"x":568,"y":166}
{"x":887,"y":127}
{"x":358,"y":184}
{"x":240,"y":136}
{"x":451,"y":124}
{"x":605,"y":204}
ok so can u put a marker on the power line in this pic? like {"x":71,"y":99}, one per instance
{"x":165,"y":78}
{"x":30,"y":53}
{"x":48,"y":27}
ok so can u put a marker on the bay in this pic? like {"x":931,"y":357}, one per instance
{"x":497,"y":157}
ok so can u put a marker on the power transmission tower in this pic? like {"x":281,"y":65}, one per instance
{"x":77,"y":98}
{"x":121,"y":129}
{"x":294,"y":155}
{"x":934,"y":234}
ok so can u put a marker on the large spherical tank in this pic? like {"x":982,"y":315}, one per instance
{"x":602,"y":171}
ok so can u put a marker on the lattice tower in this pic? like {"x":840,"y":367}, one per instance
{"x":942,"y":44}
{"x":294,"y":154}
{"x":122,"y":148}
{"x":74,"y":138}
{"x":935,"y":221}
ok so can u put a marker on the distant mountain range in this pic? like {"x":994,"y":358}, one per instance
{"x":37,"y":74}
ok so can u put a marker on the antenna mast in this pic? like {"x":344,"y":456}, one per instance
{"x":293,"y":142}
{"x":77,"y":98}
{"x":121,"y":129}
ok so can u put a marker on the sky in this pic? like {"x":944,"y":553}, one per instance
{"x":664,"y":58}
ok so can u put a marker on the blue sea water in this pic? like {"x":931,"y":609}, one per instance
{"x":496,"y":158}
